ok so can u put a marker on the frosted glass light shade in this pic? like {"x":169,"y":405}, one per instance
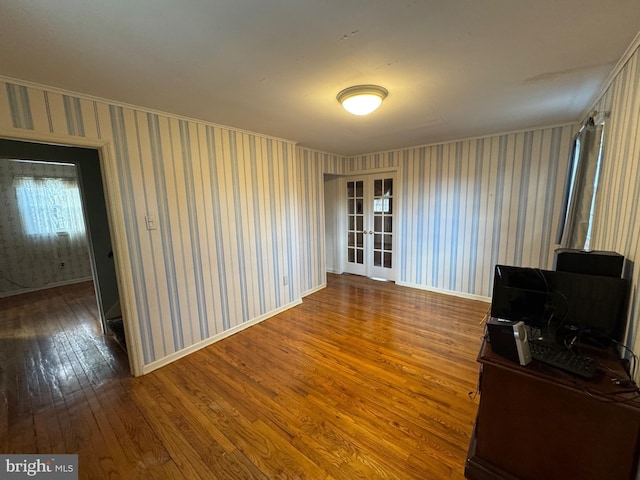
{"x":362,"y":99}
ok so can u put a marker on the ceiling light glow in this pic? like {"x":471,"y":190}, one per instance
{"x":362,"y":99}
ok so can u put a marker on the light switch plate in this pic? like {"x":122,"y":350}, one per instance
{"x":150,"y":220}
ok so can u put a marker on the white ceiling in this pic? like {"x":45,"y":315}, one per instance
{"x":454,"y":69}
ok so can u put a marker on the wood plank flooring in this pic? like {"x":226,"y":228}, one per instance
{"x":364,"y":380}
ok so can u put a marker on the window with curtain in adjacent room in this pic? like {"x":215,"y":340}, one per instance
{"x":49,"y":207}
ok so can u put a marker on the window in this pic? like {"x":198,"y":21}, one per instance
{"x":587,"y":243}
{"x":49,"y":206}
{"x":576,"y":220}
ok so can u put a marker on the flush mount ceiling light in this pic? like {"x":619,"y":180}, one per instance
{"x":362,"y":99}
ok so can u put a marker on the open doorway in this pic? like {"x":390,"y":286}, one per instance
{"x":86,"y":163}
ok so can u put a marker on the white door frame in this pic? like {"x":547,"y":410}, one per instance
{"x":117,"y":229}
{"x":392,"y":273}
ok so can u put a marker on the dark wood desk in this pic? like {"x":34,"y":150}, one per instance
{"x":536,"y":422}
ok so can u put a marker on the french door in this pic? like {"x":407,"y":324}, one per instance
{"x":370,"y":224}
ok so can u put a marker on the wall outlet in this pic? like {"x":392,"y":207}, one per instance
{"x":61,"y":264}
{"x":285,"y":280}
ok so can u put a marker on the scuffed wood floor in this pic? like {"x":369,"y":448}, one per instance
{"x":363,"y":380}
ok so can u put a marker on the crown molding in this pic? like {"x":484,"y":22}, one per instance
{"x":626,"y":56}
{"x":93,"y":98}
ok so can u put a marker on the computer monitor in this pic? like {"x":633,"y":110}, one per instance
{"x":591,"y":307}
{"x":520,"y":294}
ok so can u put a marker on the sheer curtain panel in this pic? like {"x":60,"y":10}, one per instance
{"x":50,"y":207}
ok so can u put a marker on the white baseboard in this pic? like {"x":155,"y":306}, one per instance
{"x":216,"y":338}
{"x":452,"y":293}
{"x":314,"y":290}
{"x":45,"y":287}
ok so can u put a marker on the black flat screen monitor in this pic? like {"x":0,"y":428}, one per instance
{"x":577,"y":304}
{"x":520,"y":294}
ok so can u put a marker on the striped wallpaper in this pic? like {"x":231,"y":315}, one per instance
{"x":617,"y":214}
{"x":238,"y":212}
{"x":312,"y":166}
{"x":464,"y":206}
{"x":468,"y":205}
{"x":226,"y":208}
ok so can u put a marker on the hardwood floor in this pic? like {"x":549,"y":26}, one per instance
{"x":363,"y":380}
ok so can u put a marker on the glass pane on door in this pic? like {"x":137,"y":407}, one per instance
{"x":355,"y":222}
{"x":382,"y":222}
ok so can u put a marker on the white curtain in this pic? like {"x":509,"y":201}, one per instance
{"x":50,"y":208}
{"x":580,"y":189}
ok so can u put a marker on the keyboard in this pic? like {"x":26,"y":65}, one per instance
{"x":563,"y":359}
